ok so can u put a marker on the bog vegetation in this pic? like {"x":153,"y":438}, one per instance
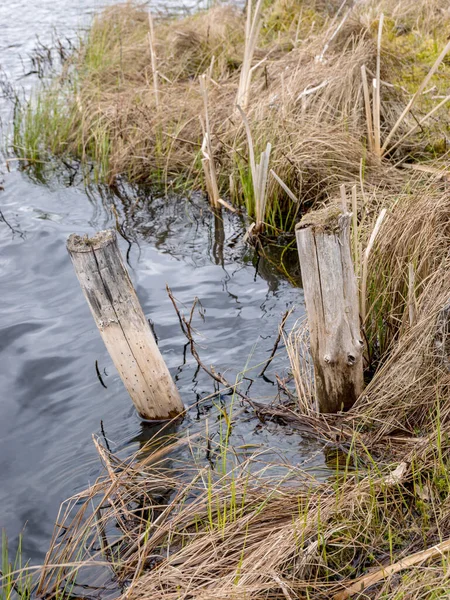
{"x":284,"y":107}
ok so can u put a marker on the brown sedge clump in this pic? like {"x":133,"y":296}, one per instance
{"x":305,"y":98}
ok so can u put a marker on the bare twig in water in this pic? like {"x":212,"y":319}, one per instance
{"x":8,"y":224}
{"x":277,"y":341}
{"x":186,"y":327}
{"x":97,"y":370}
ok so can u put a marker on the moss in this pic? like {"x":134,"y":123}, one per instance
{"x":324,"y":220}
{"x":415,"y":52}
{"x":291,"y":16}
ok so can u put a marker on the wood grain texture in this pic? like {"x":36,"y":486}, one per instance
{"x":122,"y":324}
{"x":331,"y":298}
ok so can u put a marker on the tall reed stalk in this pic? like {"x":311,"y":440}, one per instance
{"x":151,"y":42}
{"x":259,"y":172}
{"x":284,"y":187}
{"x":367,"y":252}
{"x":369,"y":122}
{"x":208,"y":165}
{"x":252,"y":29}
{"x":376,"y":93}
{"x":373,"y":117}
{"x":412,"y":309}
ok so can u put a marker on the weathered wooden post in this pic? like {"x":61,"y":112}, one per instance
{"x":331,"y":297}
{"x":125,"y":331}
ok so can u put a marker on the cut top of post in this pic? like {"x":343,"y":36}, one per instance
{"x":83,"y":243}
{"x":325,"y":220}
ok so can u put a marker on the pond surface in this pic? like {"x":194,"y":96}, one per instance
{"x":51,"y":398}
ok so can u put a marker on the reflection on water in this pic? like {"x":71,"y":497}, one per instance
{"x":52,"y":400}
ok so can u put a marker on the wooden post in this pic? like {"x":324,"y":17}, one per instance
{"x":125,"y":330}
{"x":331,"y":298}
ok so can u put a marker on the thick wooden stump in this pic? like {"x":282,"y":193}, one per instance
{"x":331,"y":297}
{"x":119,"y":317}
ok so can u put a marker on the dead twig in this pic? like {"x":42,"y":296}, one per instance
{"x":186,"y":327}
{"x":277,"y":341}
{"x":367,"y":580}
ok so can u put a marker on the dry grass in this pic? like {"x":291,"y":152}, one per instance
{"x":243,"y":531}
{"x":251,"y":533}
{"x":305,"y":97}
{"x":414,"y":371}
{"x":409,"y":362}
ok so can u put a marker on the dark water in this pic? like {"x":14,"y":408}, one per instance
{"x":51,"y":399}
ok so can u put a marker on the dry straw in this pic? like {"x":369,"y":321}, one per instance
{"x":374,"y":120}
{"x":312,"y":111}
{"x":252,"y":28}
{"x":297,"y":347}
{"x":373,"y":236}
{"x":209,"y":167}
{"x":151,"y":40}
{"x":417,"y":94}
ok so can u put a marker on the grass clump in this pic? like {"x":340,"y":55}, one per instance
{"x":304,"y":97}
{"x":249,"y":532}
{"x":15,"y":581}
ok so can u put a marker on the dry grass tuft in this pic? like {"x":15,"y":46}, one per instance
{"x":414,"y":372}
{"x":252,"y":533}
{"x":305,"y":97}
{"x":410,"y":361}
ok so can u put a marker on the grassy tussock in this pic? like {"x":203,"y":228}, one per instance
{"x":415,"y":370}
{"x":248,"y":533}
{"x":306,"y":98}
